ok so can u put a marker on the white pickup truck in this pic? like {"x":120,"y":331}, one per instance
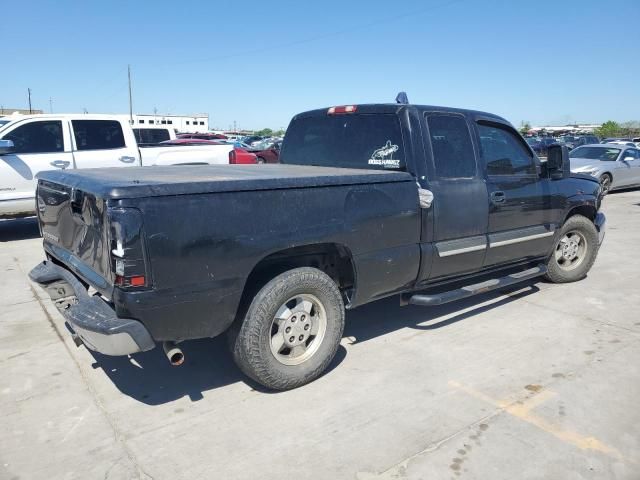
{"x":32,"y":143}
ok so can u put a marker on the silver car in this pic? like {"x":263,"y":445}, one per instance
{"x":616,"y":166}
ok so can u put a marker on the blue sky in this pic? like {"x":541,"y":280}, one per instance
{"x":259,"y":63}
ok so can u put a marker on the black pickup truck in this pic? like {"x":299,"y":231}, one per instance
{"x":428,"y":203}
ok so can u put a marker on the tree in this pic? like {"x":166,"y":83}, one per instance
{"x":608,"y":129}
{"x":265,"y":132}
{"x":524,"y":127}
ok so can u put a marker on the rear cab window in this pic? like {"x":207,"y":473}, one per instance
{"x":98,"y":134}
{"x":369,"y":141}
{"x":151,"y":135}
{"x":453,"y":153}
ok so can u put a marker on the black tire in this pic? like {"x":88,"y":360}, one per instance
{"x":261,"y":160}
{"x":605,"y":183}
{"x":251,"y":343}
{"x":558,"y":272}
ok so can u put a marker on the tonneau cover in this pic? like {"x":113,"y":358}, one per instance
{"x":137,"y":182}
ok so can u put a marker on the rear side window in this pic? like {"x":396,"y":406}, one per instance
{"x":503,"y":153}
{"x":151,"y":135}
{"x":98,"y":134}
{"x":37,"y":137}
{"x":350,"y":141}
{"x":451,"y":144}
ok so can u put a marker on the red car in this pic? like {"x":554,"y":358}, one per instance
{"x":236,"y":156}
{"x":267,"y":152}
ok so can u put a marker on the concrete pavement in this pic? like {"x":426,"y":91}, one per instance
{"x":537,"y":383}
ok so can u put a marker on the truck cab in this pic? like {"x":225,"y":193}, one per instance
{"x":49,"y":142}
{"x":494,"y":202}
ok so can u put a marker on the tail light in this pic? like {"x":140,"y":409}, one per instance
{"x":342,"y":109}
{"x":127,"y":254}
{"x":241,"y":156}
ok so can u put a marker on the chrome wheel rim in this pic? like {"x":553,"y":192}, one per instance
{"x":297,"y":329}
{"x":605,"y":183}
{"x":571,"y":250}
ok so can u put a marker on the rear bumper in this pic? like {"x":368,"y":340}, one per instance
{"x":601,"y":224}
{"x":92,"y":319}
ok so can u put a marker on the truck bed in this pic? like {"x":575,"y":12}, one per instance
{"x":139,"y":182}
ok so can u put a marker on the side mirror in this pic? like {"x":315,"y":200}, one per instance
{"x":628,"y":159}
{"x":558,"y":163}
{"x":6,"y":147}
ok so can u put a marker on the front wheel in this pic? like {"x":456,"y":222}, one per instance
{"x":574,"y":252}
{"x":291,"y":331}
{"x":260,"y":160}
{"x":605,"y":183}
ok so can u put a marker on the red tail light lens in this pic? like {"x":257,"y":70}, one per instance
{"x":128,"y":261}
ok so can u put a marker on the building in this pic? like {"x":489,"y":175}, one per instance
{"x":20,"y":111}
{"x":197,"y":123}
{"x":566,"y":129}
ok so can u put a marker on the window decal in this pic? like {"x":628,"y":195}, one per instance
{"x":384,"y":156}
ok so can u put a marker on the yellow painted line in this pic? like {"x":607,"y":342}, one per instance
{"x":523,"y":412}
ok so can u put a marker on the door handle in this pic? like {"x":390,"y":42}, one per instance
{"x":498,"y":197}
{"x":127,"y":159}
{"x":60,"y":164}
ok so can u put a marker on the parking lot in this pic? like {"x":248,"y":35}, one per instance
{"x":539,"y":382}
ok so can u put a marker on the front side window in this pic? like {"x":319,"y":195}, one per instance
{"x":452,"y":148}
{"x":632,"y":152}
{"x":37,"y":137}
{"x":503,"y":152}
{"x":97,"y":134}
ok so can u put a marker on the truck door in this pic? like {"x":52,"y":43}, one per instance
{"x":103,"y":143}
{"x":520,"y":222}
{"x":632,"y":159}
{"x":459,"y":210}
{"x":39,"y":145}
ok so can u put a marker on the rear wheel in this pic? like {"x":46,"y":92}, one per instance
{"x":261,"y":160}
{"x":605,"y":183}
{"x":292,"y":329}
{"x":574,"y":252}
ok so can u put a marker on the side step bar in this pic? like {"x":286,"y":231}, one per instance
{"x":475,"y":289}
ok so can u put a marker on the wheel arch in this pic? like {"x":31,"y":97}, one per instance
{"x":334,"y":259}
{"x":586,"y":210}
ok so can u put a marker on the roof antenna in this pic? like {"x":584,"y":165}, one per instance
{"x":402,"y":98}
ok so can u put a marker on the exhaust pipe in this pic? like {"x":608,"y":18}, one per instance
{"x":174,"y":353}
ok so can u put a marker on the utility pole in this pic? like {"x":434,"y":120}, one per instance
{"x":50,"y":105}
{"x":29,"y":93}
{"x":130,"y":101}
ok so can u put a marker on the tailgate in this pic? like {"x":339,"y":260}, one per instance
{"x":74,"y":226}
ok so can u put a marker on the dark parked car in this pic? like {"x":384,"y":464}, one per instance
{"x":266,"y":152}
{"x":573,"y":142}
{"x":430,"y":204}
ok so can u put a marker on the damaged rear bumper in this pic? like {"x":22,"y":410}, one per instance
{"x":92,"y":319}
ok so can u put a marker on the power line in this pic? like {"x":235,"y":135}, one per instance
{"x":363,"y":26}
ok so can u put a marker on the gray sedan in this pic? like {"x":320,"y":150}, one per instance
{"x":616,"y":166}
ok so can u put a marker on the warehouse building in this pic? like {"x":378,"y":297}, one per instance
{"x":197,"y":123}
